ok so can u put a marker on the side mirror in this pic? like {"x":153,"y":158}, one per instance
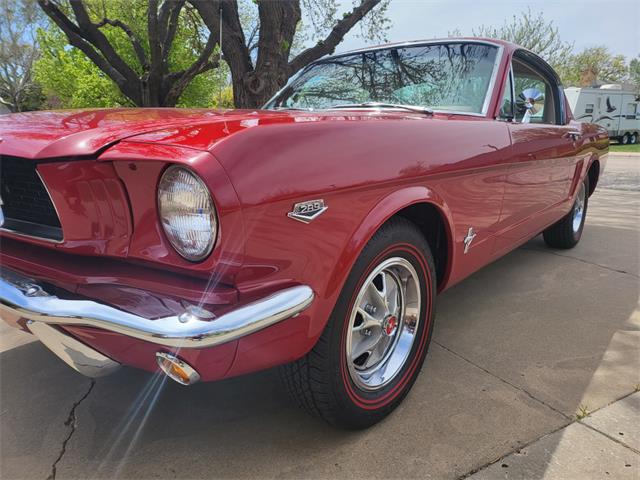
{"x":526,"y":103}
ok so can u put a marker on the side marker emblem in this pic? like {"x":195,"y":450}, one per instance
{"x":468,"y":239}
{"x":305,"y":212}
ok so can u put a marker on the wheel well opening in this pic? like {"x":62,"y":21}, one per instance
{"x":431,"y":223}
{"x":594,"y":174}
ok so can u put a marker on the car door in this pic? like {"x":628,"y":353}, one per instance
{"x":544,"y":153}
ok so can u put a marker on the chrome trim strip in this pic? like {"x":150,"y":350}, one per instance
{"x":77,"y":355}
{"x":11,"y":225}
{"x":55,"y":208}
{"x":512,"y":80}
{"x":488,"y":96}
{"x":415,"y":43}
{"x":23,"y":297}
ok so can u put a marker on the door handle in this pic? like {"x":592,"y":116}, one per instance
{"x":574,"y":135}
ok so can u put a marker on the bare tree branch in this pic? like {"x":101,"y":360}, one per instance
{"x":201,"y":65}
{"x":172,"y":27}
{"x":329,"y":44}
{"x":135,"y":41}
{"x":77,"y":39}
{"x":91,"y":33}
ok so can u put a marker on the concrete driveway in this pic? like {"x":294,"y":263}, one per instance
{"x":520,"y":349}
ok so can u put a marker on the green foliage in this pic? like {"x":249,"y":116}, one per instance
{"x":583,"y":411}
{"x":617,"y":147}
{"x":533,"y":32}
{"x":18,"y":52}
{"x":71,"y":80}
{"x":321,"y":16}
{"x":634,"y":73}
{"x":593,"y":66}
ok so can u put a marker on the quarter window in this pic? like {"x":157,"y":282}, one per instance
{"x":506,"y":108}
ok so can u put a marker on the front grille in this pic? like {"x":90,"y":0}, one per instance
{"x":26,"y":205}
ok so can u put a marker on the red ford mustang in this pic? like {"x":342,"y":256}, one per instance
{"x":313,"y":234}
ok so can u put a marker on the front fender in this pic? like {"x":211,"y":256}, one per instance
{"x":386,"y":208}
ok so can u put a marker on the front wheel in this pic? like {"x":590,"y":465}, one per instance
{"x":375,"y":342}
{"x":567,"y":232}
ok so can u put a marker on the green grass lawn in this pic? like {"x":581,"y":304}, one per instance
{"x":615,"y":147}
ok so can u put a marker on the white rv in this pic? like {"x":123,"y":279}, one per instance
{"x":609,"y":106}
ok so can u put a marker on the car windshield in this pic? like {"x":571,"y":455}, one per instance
{"x":443,"y":77}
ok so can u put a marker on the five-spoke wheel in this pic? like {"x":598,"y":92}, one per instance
{"x":567,"y":232}
{"x":371,"y":351}
{"x":382,"y":324}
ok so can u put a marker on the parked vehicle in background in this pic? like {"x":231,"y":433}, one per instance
{"x":313,"y":234}
{"x":611,"y":107}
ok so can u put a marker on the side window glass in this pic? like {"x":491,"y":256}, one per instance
{"x":588,"y":108}
{"x":631,"y":111}
{"x":506,"y":106}
{"x":534,"y":96}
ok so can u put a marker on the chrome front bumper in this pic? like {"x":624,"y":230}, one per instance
{"x":23,"y":297}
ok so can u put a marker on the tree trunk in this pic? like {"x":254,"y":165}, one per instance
{"x":254,"y":85}
{"x":255,"y":88}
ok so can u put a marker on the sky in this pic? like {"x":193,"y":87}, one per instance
{"x":586,"y":23}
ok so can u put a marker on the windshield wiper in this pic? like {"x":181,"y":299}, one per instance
{"x":412,"y":108}
{"x":293,"y":108}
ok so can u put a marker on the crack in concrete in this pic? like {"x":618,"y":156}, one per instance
{"x":580,"y":421}
{"x":70,"y":421}
{"x":571,"y":419}
{"x":550,"y":252}
{"x":516,"y":450}
{"x":507,"y":382}
{"x":562,"y":427}
{"x":613,"y":439}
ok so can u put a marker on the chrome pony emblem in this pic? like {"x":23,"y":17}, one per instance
{"x":305,"y":212}
{"x":468,"y":239}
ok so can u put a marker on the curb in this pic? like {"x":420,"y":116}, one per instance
{"x":624,"y":154}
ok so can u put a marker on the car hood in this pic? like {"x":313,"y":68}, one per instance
{"x":80,"y":134}
{"x":83,"y":133}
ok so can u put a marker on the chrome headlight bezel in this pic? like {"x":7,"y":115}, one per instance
{"x":170,"y":229}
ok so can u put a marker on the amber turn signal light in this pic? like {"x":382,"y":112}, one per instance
{"x":177,"y":369}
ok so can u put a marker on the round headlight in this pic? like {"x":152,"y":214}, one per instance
{"x":187,"y":213}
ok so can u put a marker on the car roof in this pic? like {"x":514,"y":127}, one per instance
{"x":490,"y":41}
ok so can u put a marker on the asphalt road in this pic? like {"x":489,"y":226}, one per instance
{"x":519,"y":349}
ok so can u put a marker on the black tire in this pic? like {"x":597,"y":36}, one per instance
{"x":625,"y":139}
{"x":563,"y":234}
{"x":321,"y":382}
{"x":634,"y":139}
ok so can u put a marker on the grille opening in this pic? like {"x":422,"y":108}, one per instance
{"x":26,"y":205}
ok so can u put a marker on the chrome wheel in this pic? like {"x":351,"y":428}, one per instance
{"x":578,"y":209}
{"x":383,"y":324}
